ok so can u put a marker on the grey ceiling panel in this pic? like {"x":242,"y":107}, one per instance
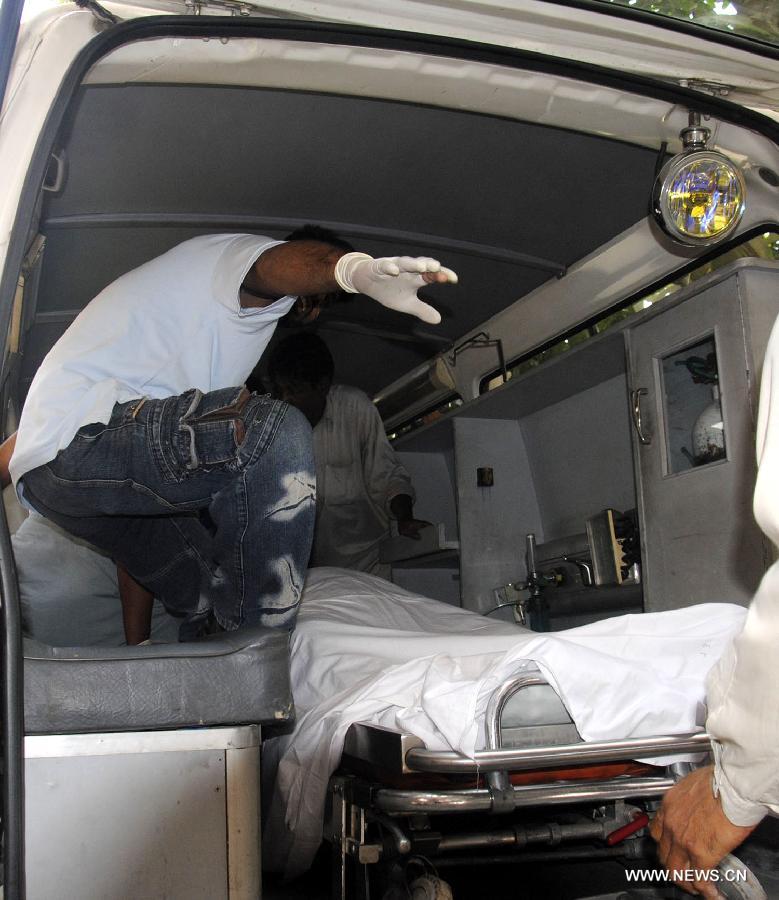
{"x":229,"y":152}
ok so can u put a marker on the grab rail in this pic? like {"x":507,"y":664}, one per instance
{"x":405,"y":802}
{"x":449,"y":761}
{"x":497,"y":702}
{"x":12,"y":714}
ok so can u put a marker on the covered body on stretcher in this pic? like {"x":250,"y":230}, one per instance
{"x":388,"y":685}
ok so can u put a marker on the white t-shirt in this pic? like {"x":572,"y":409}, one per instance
{"x":172,"y":324}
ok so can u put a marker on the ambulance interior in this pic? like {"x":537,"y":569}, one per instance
{"x":579,"y":428}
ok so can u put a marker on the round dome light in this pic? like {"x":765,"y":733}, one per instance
{"x":699,"y":197}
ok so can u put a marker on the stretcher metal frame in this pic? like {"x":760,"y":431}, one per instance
{"x":370,"y":822}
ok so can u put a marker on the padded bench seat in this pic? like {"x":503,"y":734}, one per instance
{"x":235,"y":677}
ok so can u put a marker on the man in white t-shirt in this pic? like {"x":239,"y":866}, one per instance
{"x":361,"y":485}
{"x":138,"y":435}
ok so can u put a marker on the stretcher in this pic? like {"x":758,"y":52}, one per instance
{"x":402,"y":816}
{"x":428,"y":736}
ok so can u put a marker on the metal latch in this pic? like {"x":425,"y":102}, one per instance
{"x":715,"y":88}
{"x":234,"y":7}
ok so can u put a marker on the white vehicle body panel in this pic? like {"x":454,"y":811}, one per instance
{"x":44,"y":54}
{"x":559,"y":31}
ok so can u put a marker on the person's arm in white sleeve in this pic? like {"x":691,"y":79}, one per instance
{"x":312,"y":268}
{"x":743,"y":689}
{"x":386,"y":479}
{"x":712,"y":811}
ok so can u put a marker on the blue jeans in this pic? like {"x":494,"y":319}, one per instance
{"x":208,"y":500}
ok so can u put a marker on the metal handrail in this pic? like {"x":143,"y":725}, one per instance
{"x":405,"y":802}
{"x":449,"y":761}
{"x":12,"y":708}
{"x":497,"y":703}
{"x":498,"y":780}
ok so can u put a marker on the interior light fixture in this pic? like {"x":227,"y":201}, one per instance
{"x":698,"y":197}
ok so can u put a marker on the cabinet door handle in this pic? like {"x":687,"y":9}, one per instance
{"x":635,"y":401}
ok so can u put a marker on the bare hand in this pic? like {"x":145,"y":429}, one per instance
{"x":410,"y":528}
{"x":692,"y":831}
{"x":442,"y":276}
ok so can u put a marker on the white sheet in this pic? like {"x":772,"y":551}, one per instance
{"x":366,"y":650}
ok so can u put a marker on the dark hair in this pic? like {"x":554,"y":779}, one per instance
{"x":300,"y":359}
{"x":318,"y":233}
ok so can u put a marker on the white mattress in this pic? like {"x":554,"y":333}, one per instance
{"x":366,"y":650}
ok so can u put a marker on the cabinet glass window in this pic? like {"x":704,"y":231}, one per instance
{"x":695,"y":432}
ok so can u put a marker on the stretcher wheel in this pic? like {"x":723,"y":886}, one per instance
{"x":428,"y":887}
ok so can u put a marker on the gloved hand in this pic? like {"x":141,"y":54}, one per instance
{"x":393,"y":281}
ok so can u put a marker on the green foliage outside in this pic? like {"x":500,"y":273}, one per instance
{"x":756,"y":19}
{"x":765,"y":246}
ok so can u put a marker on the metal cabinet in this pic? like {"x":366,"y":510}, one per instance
{"x":559,"y":442}
{"x":693,"y":395}
{"x":144,"y":814}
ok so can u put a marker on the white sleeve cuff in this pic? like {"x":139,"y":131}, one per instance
{"x":741,"y":812}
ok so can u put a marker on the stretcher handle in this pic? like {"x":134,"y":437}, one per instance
{"x":553,"y":756}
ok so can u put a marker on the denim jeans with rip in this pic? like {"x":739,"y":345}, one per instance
{"x":208,"y":500}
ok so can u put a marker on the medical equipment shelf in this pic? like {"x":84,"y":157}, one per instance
{"x":432,"y":549}
{"x":595,"y":361}
{"x":491,"y":472}
{"x":610,"y":424}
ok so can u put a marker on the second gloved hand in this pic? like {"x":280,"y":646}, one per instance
{"x":394,"y":281}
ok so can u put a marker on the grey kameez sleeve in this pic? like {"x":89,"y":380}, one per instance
{"x":385,"y":476}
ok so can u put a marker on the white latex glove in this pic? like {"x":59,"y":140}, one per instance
{"x":394,"y":281}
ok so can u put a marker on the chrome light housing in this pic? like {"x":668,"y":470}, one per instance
{"x":699,"y":195}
